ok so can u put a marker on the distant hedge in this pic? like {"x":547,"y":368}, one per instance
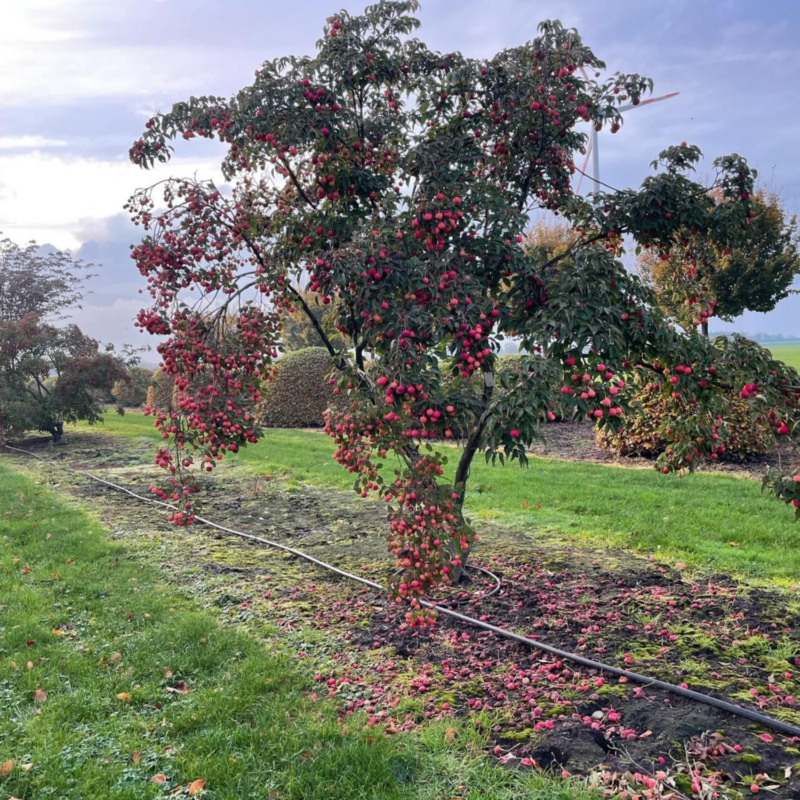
{"x":299,"y":393}
{"x":642,"y":434}
{"x":160,"y":393}
{"x":132,"y":391}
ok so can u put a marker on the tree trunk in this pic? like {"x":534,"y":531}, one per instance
{"x":704,"y":328}
{"x":465,"y":462}
{"x":460,"y":483}
{"x":57,"y":431}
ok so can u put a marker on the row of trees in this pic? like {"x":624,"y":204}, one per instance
{"x":50,"y":372}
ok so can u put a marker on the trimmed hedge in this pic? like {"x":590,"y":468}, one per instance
{"x":641,"y":433}
{"x":299,"y":393}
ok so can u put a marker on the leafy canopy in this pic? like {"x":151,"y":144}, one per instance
{"x":700,"y":278}
{"x":50,"y":376}
{"x":396,"y":183}
{"x":33,"y":282}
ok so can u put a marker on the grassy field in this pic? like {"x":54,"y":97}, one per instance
{"x":113,"y":685}
{"x":788,"y":353}
{"x":710,"y":521}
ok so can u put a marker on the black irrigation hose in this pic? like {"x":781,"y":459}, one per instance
{"x":754,"y":716}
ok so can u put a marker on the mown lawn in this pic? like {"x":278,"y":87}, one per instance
{"x":110,"y":678}
{"x":709,"y":521}
{"x":788,"y":353}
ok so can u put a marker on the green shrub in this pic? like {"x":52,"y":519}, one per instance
{"x":643,"y":432}
{"x":299,"y":393}
{"x":160,"y":393}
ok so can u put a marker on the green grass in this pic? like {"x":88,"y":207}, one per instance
{"x":90,"y":623}
{"x":788,"y":353}
{"x":692,"y":519}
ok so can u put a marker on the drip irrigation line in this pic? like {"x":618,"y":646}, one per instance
{"x":644,"y":680}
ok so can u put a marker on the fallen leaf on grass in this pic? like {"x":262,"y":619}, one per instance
{"x":735,"y":544}
{"x":195,"y":787}
{"x":136,"y":758}
{"x":25,"y":767}
{"x":57,"y":632}
{"x":26,"y":569}
{"x":6,"y":767}
{"x":161,"y":778}
{"x":449,"y":734}
{"x":124,"y":696}
{"x":179,"y":688}
{"x":40,"y":695}
{"x":168,"y":673}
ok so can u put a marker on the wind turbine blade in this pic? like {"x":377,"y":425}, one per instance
{"x":647,"y":102}
{"x":585,"y":164}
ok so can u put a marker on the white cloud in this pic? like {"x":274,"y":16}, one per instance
{"x":114,"y":323}
{"x":27,"y":22}
{"x":29,"y":142}
{"x":47,"y":197}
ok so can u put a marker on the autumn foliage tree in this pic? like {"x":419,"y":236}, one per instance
{"x":700,"y":278}
{"x":50,"y":376}
{"x":397,"y":183}
{"x":131,"y":390}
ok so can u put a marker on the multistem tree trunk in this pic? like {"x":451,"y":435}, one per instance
{"x":460,"y":482}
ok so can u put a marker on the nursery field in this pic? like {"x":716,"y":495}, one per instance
{"x":139,"y":634}
{"x":711,"y":521}
{"x":788,"y":353}
{"x":115,"y":685}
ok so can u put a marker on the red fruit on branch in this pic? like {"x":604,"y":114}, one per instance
{"x":413,"y":294}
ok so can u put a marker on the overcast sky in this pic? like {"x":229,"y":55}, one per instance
{"x":80,"y":77}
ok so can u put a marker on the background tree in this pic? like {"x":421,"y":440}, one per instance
{"x":50,"y":376}
{"x":549,"y":234}
{"x":160,"y":391}
{"x":398,"y":183}
{"x":32,"y":282}
{"x":131,"y":391}
{"x":300,"y":332}
{"x":698,"y":278}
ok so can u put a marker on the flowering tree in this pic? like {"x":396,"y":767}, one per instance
{"x":396,"y":183}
